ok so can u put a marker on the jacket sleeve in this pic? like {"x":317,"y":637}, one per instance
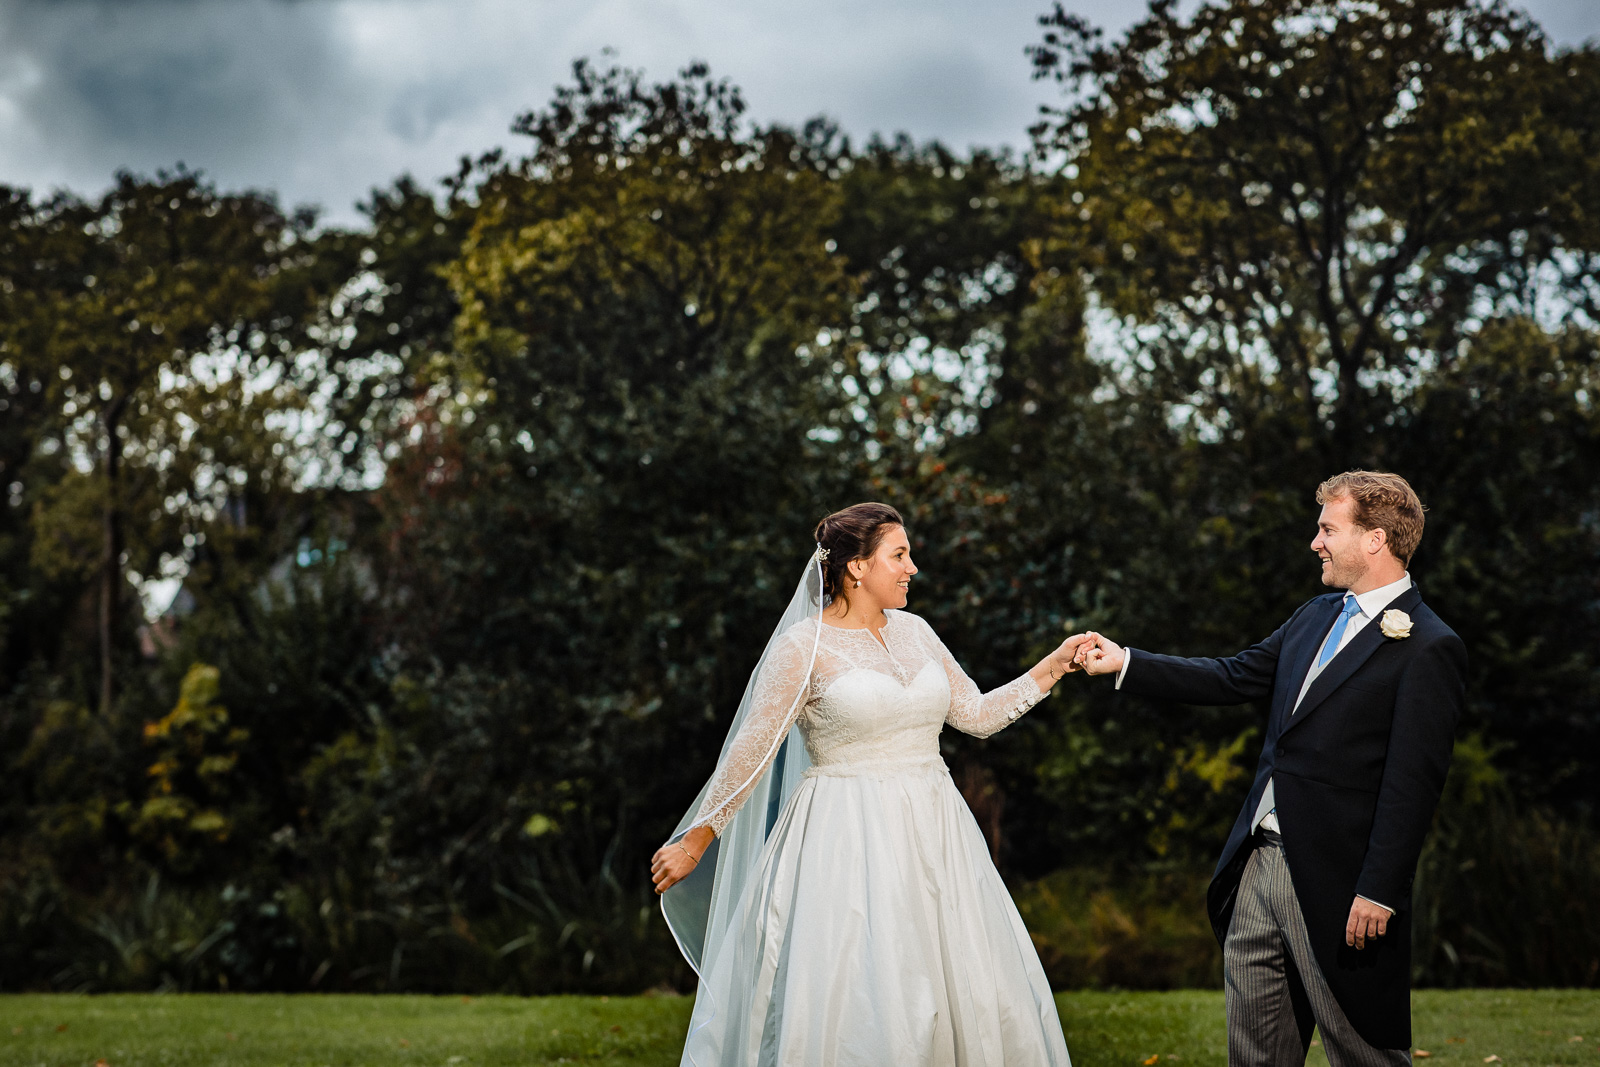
{"x":1427,"y":707}
{"x":1203,"y":680}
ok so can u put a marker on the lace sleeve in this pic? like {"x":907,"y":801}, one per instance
{"x":975,"y":712}
{"x":778,"y":699}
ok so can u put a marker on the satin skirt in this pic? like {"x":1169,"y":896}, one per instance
{"x":878,"y":932}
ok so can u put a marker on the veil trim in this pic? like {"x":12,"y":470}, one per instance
{"x":775,"y":759}
{"x":783,"y":738}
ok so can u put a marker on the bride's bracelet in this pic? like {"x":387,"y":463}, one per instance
{"x":692,"y":857}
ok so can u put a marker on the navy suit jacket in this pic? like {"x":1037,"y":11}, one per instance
{"x":1358,"y":770}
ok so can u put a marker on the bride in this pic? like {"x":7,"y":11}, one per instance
{"x":830,"y":886}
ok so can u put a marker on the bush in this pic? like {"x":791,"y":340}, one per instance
{"x":1505,"y":894}
{"x":1099,"y":929}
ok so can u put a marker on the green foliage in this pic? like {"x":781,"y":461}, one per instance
{"x":195,"y":752}
{"x":1095,"y":930}
{"x":1316,"y":201}
{"x":151,"y":328}
{"x":484,"y":508}
{"x":1268,"y":301}
{"x":1504,"y":891}
{"x":1510,"y":433}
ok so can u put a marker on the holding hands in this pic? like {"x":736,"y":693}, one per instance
{"x":1062,"y":661}
{"x":1098,"y":655}
{"x":1087,"y":652}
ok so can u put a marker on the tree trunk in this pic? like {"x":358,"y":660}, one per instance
{"x":110,"y":555}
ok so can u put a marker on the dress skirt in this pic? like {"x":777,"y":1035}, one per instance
{"x":877,"y":932}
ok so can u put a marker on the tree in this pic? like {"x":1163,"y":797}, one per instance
{"x":1305,"y":234}
{"x":152,"y":323}
{"x":487,"y":504}
{"x":604,"y":495}
{"x":1308,"y":204}
{"x":385,"y":332}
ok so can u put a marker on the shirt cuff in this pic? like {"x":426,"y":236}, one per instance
{"x":1127,"y":661}
{"x":1385,"y":907}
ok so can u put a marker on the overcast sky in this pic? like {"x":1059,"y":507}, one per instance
{"x":320,"y":100}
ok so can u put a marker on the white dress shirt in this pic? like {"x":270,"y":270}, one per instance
{"x":1371,"y":603}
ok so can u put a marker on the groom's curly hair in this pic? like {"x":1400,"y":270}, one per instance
{"x":1382,"y":502}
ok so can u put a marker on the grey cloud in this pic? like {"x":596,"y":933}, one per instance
{"x":224,"y":87}
{"x":323,"y":99}
{"x":1570,"y":22}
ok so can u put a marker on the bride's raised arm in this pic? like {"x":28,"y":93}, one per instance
{"x":780,"y":695}
{"x":972,"y":711}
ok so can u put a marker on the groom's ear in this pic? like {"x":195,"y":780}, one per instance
{"x":1378,"y":540}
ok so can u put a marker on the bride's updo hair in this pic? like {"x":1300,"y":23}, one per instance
{"x":854,"y":533}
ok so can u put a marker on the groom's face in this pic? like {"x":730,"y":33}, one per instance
{"x":1339,"y":544}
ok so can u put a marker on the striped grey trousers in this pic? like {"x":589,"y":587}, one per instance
{"x":1276,"y":991}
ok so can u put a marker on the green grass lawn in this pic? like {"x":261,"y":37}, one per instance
{"x":1525,"y":1028}
{"x":1124,"y":1029}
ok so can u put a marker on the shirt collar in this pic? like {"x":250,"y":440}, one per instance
{"x":1375,"y":600}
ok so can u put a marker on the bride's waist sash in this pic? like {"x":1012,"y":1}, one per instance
{"x":880,"y":767}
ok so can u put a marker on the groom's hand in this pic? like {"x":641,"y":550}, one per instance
{"x":1100,"y":655}
{"x":1367,"y":921}
{"x":1064,"y":660}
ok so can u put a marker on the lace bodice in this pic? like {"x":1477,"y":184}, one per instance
{"x":864,"y":704}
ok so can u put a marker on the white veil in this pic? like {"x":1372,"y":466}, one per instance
{"x":697,"y":909}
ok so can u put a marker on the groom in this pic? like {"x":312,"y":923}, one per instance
{"x":1312,"y":896}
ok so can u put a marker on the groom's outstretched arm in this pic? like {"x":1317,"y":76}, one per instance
{"x":1202,"y":680}
{"x":1233,"y":679}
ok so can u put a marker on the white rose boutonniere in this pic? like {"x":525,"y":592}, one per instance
{"x":1395,"y":624}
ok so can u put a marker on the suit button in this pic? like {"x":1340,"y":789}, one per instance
{"x":1278,"y":751}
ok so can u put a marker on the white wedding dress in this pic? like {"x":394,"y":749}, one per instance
{"x":876,"y":931}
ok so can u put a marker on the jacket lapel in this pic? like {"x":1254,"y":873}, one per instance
{"x":1301,"y":649}
{"x":1350,"y":658}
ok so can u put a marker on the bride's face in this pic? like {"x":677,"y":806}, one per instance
{"x":886,"y":574}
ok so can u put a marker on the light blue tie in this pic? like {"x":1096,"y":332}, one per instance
{"x":1335,"y":635}
{"x":1329,"y":648}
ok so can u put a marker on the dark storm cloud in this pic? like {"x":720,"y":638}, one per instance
{"x":91,"y":86}
{"x":323,"y":99}
{"x":305,"y":98}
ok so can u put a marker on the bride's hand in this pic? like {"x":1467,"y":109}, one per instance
{"x":1062,"y":661}
{"x":1065,"y":657}
{"x":674,"y":861}
{"x":1100,"y":655}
